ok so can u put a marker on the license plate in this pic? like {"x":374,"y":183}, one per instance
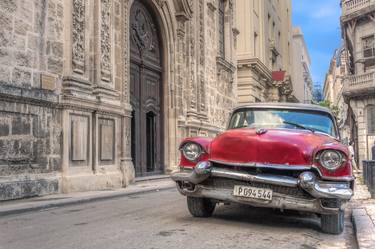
{"x":251,"y":192}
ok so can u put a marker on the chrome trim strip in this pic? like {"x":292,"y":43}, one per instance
{"x":265,"y":166}
{"x":261,"y":178}
{"x":307,"y":180}
{"x":286,"y":167}
{"x":345,"y":178}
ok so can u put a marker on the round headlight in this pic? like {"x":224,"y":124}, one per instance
{"x":191,"y":151}
{"x":331,"y":159}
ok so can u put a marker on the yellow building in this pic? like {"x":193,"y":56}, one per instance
{"x":264,"y":45}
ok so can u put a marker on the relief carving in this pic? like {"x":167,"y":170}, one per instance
{"x":202,"y":57}
{"x":126,"y":50}
{"x":193,"y":93}
{"x":127,"y":138}
{"x":78,"y":36}
{"x":142,"y":31}
{"x":105,"y":37}
{"x":184,"y":8}
{"x":161,"y":3}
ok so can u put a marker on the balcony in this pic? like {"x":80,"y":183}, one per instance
{"x":353,"y":8}
{"x":359,"y":85}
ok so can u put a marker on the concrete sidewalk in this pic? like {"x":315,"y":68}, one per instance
{"x":50,"y":201}
{"x":363,"y":216}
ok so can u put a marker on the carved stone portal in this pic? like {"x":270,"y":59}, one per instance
{"x":146,"y":92}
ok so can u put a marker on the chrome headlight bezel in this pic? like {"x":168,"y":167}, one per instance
{"x":331,"y":159}
{"x":192,"y":151}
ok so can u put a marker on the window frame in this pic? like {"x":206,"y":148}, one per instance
{"x":368,"y":108}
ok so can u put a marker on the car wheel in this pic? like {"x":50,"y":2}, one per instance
{"x":200,"y":207}
{"x":333,"y":223}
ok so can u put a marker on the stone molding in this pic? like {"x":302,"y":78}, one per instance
{"x":258,"y":67}
{"x":225,"y":65}
{"x":39,"y":97}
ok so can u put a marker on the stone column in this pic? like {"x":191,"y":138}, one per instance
{"x":127,"y":167}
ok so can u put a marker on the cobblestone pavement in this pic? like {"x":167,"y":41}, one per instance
{"x":161,"y":220}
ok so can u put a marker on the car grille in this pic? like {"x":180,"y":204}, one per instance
{"x":217,"y":182}
{"x":258,"y":170}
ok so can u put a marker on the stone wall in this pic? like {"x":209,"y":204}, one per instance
{"x":31,"y":42}
{"x":65,"y":112}
{"x":31,"y":65}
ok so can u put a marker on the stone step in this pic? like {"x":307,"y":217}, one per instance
{"x":361,"y":191}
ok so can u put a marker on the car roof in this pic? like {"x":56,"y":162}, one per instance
{"x":284,"y":105}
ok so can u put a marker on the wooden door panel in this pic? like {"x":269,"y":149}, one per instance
{"x":146,"y":92}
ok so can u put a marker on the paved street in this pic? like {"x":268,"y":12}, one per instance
{"x":161,"y":220}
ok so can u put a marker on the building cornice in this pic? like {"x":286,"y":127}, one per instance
{"x":257,"y":66}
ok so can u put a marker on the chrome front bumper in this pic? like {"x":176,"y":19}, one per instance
{"x":307,"y":181}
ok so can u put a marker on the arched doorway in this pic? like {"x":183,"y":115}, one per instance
{"x":146,"y":91}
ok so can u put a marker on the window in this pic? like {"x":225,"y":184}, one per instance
{"x":221,"y":12}
{"x":371,"y":120}
{"x":368,"y":51}
{"x":284,"y":118}
{"x":150,"y":137}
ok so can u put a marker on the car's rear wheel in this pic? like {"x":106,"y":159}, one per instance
{"x":333,"y":223}
{"x":200,"y":207}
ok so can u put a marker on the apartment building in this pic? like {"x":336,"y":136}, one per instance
{"x":333,"y":90}
{"x":263,"y":47}
{"x":358,"y":29}
{"x":301,"y":62}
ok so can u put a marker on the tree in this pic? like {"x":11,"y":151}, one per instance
{"x":317,"y":94}
{"x":334,"y":109}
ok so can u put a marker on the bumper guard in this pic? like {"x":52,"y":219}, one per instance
{"x":306,"y":180}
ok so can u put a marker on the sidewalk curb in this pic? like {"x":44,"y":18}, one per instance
{"x":364,"y":229}
{"x":80,"y":200}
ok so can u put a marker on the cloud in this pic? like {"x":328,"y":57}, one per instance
{"x":320,"y":23}
{"x":324,"y":13}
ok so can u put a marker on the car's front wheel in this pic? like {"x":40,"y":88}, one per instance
{"x":333,"y":223}
{"x":200,"y":207}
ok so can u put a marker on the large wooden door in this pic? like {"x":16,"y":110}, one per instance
{"x":146,"y":92}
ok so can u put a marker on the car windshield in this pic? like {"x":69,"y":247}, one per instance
{"x":278,"y":118}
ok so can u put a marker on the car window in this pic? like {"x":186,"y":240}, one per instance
{"x":278,"y":118}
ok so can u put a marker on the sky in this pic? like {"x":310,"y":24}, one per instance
{"x":320,"y":23}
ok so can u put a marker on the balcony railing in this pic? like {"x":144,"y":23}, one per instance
{"x":359,"y":84}
{"x":350,"y":6}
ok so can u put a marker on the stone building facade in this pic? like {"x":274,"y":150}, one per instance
{"x":301,"y":76}
{"x":358,"y":29}
{"x":94,"y":93}
{"x":333,"y":90}
{"x":264,"y":46}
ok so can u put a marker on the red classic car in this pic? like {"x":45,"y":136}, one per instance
{"x":276,"y":155}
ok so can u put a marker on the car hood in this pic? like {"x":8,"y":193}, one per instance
{"x":269,"y":146}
